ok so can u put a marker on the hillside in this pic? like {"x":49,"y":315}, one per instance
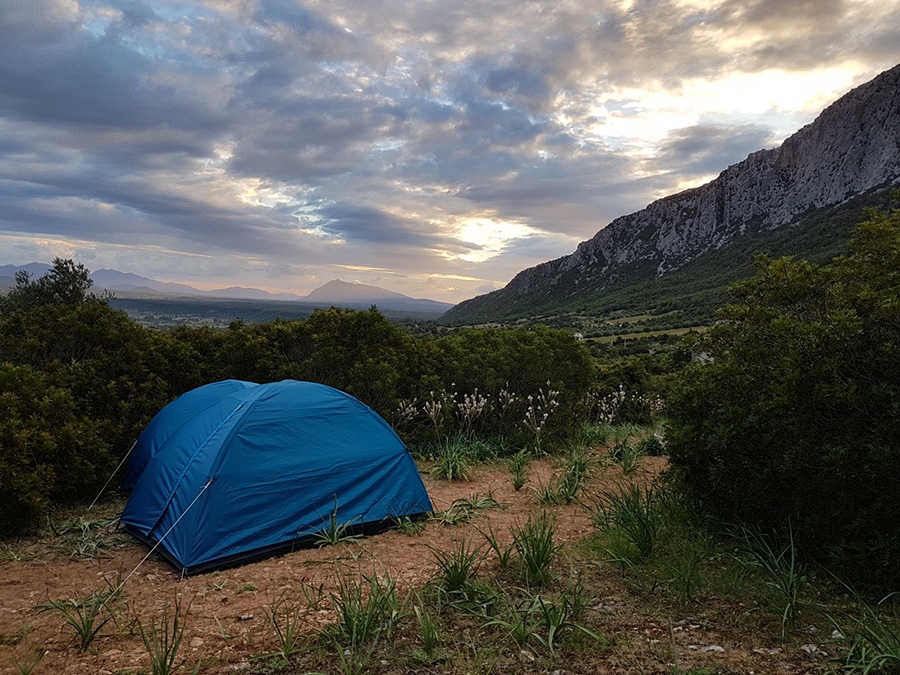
{"x":840,"y":160}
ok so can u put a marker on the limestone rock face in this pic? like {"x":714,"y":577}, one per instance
{"x":852,"y":147}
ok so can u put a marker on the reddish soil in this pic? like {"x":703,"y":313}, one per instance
{"x":227,"y":623}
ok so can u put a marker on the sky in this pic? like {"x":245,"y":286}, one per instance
{"x":430,"y":147}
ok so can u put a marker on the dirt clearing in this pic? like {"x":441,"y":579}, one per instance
{"x":227,"y":627}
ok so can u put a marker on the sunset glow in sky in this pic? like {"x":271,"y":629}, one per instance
{"x":431,"y":148}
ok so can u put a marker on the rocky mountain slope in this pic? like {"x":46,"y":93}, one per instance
{"x":852,"y":148}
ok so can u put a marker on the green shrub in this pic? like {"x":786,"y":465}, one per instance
{"x":796,"y":418}
{"x":49,"y":453}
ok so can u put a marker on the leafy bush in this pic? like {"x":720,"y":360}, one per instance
{"x":109,"y":364}
{"x":524,"y":361}
{"x":49,"y":452}
{"x":797,"y":417}
{"x":359,"y":352}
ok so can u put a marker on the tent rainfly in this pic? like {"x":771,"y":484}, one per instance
{"x":234,"y":472}
{"x":173,"y":417}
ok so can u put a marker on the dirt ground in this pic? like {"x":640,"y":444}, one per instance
{"x":227,"y":623}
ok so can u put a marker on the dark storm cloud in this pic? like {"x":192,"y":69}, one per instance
{"x":704,"y":150}
{"x":367,"y":224}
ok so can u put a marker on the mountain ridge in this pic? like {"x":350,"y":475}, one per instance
{"x":852,"y":147}
{"x":335,"y":292}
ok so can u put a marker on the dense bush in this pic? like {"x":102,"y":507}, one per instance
{"x":49,"y":451}
{"x":108,"y":363}
{"x":506,"y":366}
{"x":79,"y":381}
{"x":521,"y":360}
{"x":796,"y":419}
{"x":359,"y":352}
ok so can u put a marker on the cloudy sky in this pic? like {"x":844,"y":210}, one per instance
{"x":431,"y":147}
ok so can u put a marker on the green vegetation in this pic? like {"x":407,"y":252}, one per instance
{"x":285,"y":616}
{"x":85,"y":617}
{"x":638,"y":594}
{"x":792,"y":427}
{"x":27,"y":663}
{"x":162,"y":640}
{"x":518,"y":469}
{"x":534,"y":543}
{"x":335,"y":530}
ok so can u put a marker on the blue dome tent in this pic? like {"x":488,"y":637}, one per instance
{"x":260,"y":470}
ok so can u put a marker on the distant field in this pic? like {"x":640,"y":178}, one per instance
{"x":609,"y":339}
{"x":219,"y":313}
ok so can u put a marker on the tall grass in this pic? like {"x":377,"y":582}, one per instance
{"x":85,"y":617}
{"x":366,"y":607}
{"x":568,"y":479}
{"x":428,"y":629}
{"x":503,"y":552}
{"x":683,"y":569}
{"x":162,"y":640}
{"x":335,"y":531}
{"x":457,"y":567}
{"x":593,"y":435}
{"x":520,"y":622}
{"x":455,"y":456}
{"x":525,"y":621}
{"x":285,"y":616}
{"x":575,"y":471}
{"x":519,"y":464}
{"x":633,"y":510}
{"x":875,"y":642}
{"x":779,"y":565}
{"x":534,"y":543}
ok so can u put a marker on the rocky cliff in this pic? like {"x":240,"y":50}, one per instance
{"x":852,"y":147}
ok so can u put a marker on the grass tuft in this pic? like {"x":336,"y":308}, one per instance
{"x":335,"y":530}
{"x":519,"y":464}
{"x":26,"y":664}
{"x":534,"y":543}
{"x":162,"y":640}
{"x":285,"y":616}
{"x":633,"y":511}
{"x":780,"y":566}
{"x":457,"y":567}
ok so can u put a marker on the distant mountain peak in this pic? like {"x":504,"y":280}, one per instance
{"x":357,"y":296}
{"x":337,"y":290}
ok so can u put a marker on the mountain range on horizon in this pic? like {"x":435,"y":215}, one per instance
{"x":847,"y":154}
{"x":334,"y":293}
